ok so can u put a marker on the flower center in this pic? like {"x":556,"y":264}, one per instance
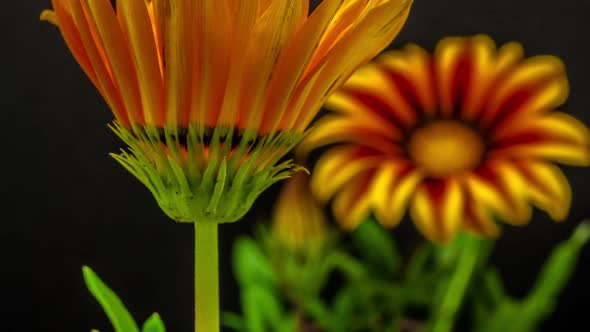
{"x":446,"y":147}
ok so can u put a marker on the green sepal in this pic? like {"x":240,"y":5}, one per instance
{"x":153,"y":324}
{"x":205,"y":179}
{"x":110,"y":302}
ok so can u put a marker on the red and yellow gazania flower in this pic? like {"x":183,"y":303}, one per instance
{"x":462,"y":136}
{"x":209,"y":95}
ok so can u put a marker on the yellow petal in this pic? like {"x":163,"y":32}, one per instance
{"x":547,"y":187}
{"x":352,"y":204}
{"x":501,"y":192}
{"x":49,"y":16}
{"x":483,"y":63}
{"x":411,"y":69}
{"x":447,"y":57}
{"x":392,"y":187}
{"x":338,"y":166}
{"x":370,"y":90}
{"x":337,"y":129}
{"x":555,"y":136}
{"x":536,"y":85}
{"x":381,"y":121}
{"x":479,"y":220}
{"x":437,"y":209}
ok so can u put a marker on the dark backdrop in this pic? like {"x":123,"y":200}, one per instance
{"x":66,"y":203}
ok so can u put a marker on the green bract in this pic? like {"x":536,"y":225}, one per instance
{"x":205,"y":174}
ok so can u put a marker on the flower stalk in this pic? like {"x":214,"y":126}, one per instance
{"x":453,"y":298}
{"x":206,"y":277}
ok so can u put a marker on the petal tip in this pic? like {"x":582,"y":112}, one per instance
{"x":48,"y":15}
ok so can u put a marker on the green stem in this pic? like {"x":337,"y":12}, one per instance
{"x":206,"y":277}
{"x":457,"y":285}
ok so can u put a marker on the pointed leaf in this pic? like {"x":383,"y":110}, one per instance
{"x":262,"y":310}
{"x":154,"y":324}
{"x":110,"y":302}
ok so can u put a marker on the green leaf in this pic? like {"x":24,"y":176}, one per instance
{"x":110,"y":302}
{"x":523,"y":316}
{"x":487,"y":296}
{"x":554,"y":276}
{"x":250,"y":265}
{"x":262,"y":310}
{"x":318,"y":312}
{"x":377,"y":247}
{"x":418,"y":264}
{"x":466,"y":254}
{"x":233,"y":321}
{"x":153,"y":324}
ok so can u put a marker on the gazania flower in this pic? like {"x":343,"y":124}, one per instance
{"x":463,"y":136}
{"x":209,"y":95}
{"x":298,"y":219}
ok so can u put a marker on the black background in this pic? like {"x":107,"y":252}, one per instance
{"x":66,"y":203}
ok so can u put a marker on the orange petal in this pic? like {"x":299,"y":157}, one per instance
{"x":377,"y":28}
{"x":270,"y":36}
{"x":292,"y":64}
{"x":95,"y":52}
{"x":244,"y":16}
{"x":348,"y":14}
{"x":116,"y":49}
{"x":214,"y":40}
{"x":137,"y":25}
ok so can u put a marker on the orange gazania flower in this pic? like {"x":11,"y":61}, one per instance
{"x":209,"y":95}
{"x":462,"y":136}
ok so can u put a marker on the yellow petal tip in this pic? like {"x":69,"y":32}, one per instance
{"x":49,"y":16}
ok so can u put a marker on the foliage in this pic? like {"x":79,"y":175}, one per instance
{"x":115,"y":309}
{"x":287,"y":290}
